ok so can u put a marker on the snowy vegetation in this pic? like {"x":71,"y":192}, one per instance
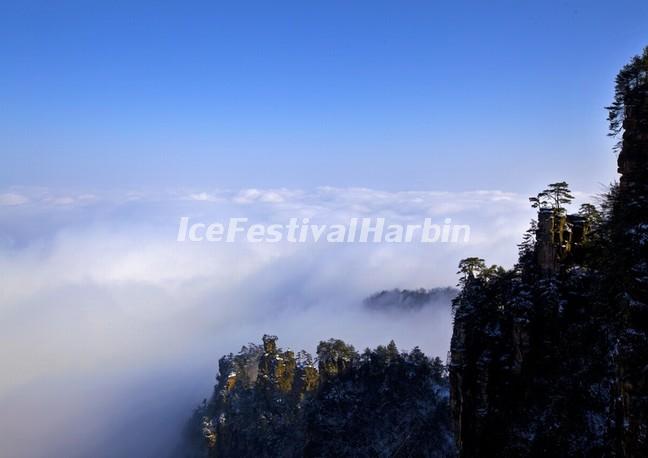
{"x":550,"y":358}
{"x":378,"y":403}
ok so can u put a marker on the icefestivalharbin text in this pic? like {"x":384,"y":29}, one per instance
{"x":301,"y":230}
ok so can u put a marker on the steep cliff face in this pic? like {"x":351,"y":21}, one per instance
{"x":524,"y":377}
{"x":551,"y":357}
{"x":629,"y":243}
{"x":256,"y":405}
{"x":269,"y":402}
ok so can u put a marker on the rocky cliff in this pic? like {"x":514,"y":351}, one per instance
{"x":379,"y":403}
{"x":550,"y":358}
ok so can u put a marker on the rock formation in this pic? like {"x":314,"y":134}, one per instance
{"x":381,"y":403}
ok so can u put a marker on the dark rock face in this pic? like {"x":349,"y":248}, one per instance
{"x":559,"y":237}
{"x":271,"y":403}
{"x":530,"y":370}
{"x":630,"y":263}
{"x":551,"y":357}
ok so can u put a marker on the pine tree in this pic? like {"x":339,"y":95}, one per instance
{"x":470,"y":268}
{"x":555,"y":197}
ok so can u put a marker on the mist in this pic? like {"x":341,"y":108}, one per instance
{"x":112,"y":330}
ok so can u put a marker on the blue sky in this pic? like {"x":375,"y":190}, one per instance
{"x":452,"y":96}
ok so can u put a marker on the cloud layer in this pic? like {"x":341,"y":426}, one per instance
{"x":112,"y":329}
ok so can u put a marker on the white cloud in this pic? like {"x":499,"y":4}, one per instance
{"x":89,"y":295}
{"x":272,"y":196}
{"x":205,"y":197}
{"x":11,"y":198}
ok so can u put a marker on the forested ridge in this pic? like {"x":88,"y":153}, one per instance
{"x":274,"y":403}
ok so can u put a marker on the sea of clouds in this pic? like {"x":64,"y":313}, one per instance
{"x":111,"y":330}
